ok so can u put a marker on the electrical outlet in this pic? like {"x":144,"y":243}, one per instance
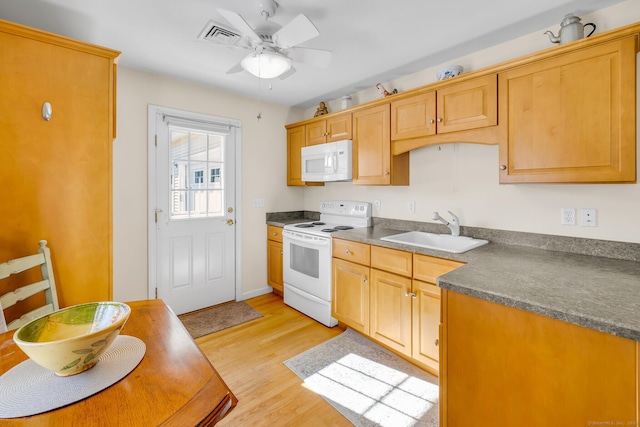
{"x":588,"y":217}
{"x":412,"y":206}
{"x":568,"y":216}
{"x":377,"y":204}
{"x":258,"y":202}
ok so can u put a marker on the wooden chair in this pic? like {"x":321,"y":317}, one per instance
{"x":47,"y":284}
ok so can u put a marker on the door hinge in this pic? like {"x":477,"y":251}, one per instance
{"x":156,"y":140}
{"x":156,"y":293}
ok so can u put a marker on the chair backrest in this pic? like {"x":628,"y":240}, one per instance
{"x":47,"y":284}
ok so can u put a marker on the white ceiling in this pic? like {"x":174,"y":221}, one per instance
{"x":372,"y":40}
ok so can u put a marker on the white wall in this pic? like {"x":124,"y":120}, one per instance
{"x":463,"y":178}
{"x":264,"y":172}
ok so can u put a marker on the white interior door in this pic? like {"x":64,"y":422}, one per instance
{"x":195,"y":213}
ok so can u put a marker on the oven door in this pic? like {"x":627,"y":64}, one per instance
{"x":307,"y":263}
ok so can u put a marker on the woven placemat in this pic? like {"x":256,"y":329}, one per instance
{"x":29,"y":389}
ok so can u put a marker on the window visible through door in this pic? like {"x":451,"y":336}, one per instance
{"x":194,"y":156}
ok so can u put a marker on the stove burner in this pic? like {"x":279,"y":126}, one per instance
{"x":329,"y":230}
{"x":304,"y":225}
{"x":343,"y":227}
{"x":318,"y":223}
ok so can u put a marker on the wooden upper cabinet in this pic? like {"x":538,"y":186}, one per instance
{"x":571,"y":118}
{"x":339,"y":127}
{"x":316,"y":132}
{"x":295,"y":142}
{"x":333,"y":128}
{"x":373,"y":163}
{"x":414,"y":117}
{"x":470,"y":104}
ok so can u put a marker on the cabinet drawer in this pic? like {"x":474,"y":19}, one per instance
{"x":392,"y":260}
{"x":352,"y":251}
{"x":428,"y":269}
{"x":274,"y":233}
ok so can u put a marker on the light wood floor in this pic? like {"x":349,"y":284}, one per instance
{"x":250,"y":357}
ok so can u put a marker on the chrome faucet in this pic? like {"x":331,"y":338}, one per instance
{"x":454,"y":224}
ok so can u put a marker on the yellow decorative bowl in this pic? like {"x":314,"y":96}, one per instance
{"x":70,"y":340}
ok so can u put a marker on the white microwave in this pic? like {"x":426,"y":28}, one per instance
{"x":327,"y":162}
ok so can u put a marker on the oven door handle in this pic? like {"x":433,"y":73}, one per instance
{"x":315,"y":242}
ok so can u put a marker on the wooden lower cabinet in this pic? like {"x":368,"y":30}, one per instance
{"x":350,"y":303}
{"x":501,"y":366}
{"x":426,"y":319}
{"x":391,"y":310}
{"x":274,"y":259}
{"x":391,"y":296}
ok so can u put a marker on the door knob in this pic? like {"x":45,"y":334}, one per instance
{"x":503,"y":167}
{"x":437,"y":342}
{"x":229,"y":221}
{"x":229,"y":209}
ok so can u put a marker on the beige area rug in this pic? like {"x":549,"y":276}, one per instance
{"x":214,"y":319}
{"x":368,"y":384}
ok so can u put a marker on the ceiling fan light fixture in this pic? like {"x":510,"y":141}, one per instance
{"x":265,"y":64}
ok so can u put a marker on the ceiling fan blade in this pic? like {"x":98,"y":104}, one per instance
{"x":299,"y":30}
{"x":235,"y":69}
{"x":315,"y":57}
{"x":287,"y":73}
{"x":240,"y":24}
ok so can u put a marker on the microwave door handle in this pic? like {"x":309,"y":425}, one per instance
{"x":335,"y":161}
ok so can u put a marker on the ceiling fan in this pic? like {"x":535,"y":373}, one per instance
{"x":274,"y":48}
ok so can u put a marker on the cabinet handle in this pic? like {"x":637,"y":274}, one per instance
{"x":281,"y":253}
{"x":439,"y":119}
{"x":347,"y":251}
{"x":437,"y":342}
{"x":503,"y":167}
{"x":386,"y":173}
{"x":409,"y":294}
{"x":275,"y":234}
{"x":431,"y":121}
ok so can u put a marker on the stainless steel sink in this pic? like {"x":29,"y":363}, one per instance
{"x":440,"y":242}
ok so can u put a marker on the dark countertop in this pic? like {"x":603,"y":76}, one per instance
{"x":592,"y":291}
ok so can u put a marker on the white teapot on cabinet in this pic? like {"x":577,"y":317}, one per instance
{"x":570,"y":29}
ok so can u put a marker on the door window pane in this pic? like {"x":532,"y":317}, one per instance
{"x":197,"y":174}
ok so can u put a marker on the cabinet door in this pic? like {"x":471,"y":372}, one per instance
{"x":372,"y":160}
{"x":57,"y":175}
{"x":567,"y":374}
{"x":274,"y":265}
{"x":339,"y":127}
{"x":571,"y":118}
{"x":426,"y":321}
{"x":468,"y":105}
{"x":414,"y":117}
{"x":391,"y":310}
{"x":316,"y":133}
{"x":295,"y":142}
{"x":350,"y":299}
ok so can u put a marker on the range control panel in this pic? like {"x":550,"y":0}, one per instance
{"x":346,"y":208}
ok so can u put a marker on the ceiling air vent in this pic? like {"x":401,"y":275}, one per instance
{"x":218,"y":34}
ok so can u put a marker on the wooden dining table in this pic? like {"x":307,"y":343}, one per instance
{"x":174,"y":384}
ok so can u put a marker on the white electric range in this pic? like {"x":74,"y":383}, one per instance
{"x":307,"y":256}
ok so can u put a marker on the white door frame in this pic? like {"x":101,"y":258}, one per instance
{"x":153,"y":110}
